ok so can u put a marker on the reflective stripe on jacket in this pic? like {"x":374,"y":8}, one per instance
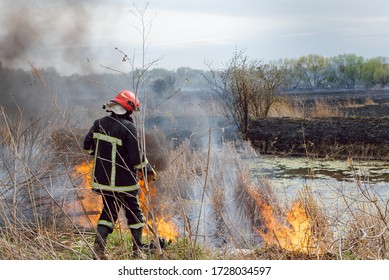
{"x":114,"y":143}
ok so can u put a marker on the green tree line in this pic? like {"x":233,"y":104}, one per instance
{"x":344,"y":71}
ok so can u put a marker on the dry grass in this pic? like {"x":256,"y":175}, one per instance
{"x":295,"y":107}
{"x":370,"y":101}
{"x":324,"y":109}
{"x":366,"y":225}
{"x":209,"y":179}
{"x":288,"y":108}
{"x":202,"y":189}
{"x":298,"y":108}
{"x":203,"y":196}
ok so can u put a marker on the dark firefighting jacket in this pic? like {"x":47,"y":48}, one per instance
{"x":113,"y":142}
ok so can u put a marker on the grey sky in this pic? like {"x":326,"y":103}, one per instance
{"x":190,"y":32}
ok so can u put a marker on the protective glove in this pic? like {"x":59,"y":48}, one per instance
{"x":151,"y":174}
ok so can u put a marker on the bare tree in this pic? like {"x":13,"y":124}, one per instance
{"x":236,"y":86}
{"x":247,"y":88}
{"x":272,"y":78}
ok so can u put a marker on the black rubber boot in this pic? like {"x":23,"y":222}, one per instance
{"x":100,"y":241}
{"x":137,"y":245}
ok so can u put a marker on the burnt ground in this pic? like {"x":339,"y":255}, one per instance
{"x":363,"y":134}
{"x":324,"y":137}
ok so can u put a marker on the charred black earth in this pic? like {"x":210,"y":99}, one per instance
{"x":362,"y":132}
{"x":352,"y":137}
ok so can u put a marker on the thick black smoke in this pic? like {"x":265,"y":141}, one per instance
{"x":157,"y":149}
{"x":52,"y":33}
{"x":48,"y":30}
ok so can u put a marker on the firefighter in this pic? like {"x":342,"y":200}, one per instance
{"x":113,"y":142}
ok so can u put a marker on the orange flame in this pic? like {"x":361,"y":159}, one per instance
{"x":92,"y":204}
{"x":165,"y":226}
{"x":294,"y":236}
{"x":84,"y":170}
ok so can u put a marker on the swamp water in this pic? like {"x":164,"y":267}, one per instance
{"x":338,"y":186}
{"x":289,"y":174}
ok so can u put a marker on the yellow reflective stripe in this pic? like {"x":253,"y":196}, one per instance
{"x":106,"y":223}
{"x":141,"y":165}
{"x":114,"y":141}
{"x":107,"y":138}
{"x":102,"y":187}
{"x":94,"y":165}
{"x":136,"y":226}
{"x":113,"y":169}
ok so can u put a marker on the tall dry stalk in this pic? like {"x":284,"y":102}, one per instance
{"x":34,"y":188}
{"x":321,"y":232}
{"x":204,"y":186}
{"x":367,"y":232}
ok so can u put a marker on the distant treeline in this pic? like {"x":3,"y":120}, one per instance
{"x":307,"y":73}
{"x":345,"y":71}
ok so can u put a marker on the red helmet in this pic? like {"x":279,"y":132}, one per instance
{"x":128,"y":100}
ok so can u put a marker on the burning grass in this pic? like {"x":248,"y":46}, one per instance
{"x":296,"y":231}
{"x":202,"y":200}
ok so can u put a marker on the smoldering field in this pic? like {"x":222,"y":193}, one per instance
{"x":203,"y":192}
{"x":49,"y":33}
{"x":41,"y":190}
